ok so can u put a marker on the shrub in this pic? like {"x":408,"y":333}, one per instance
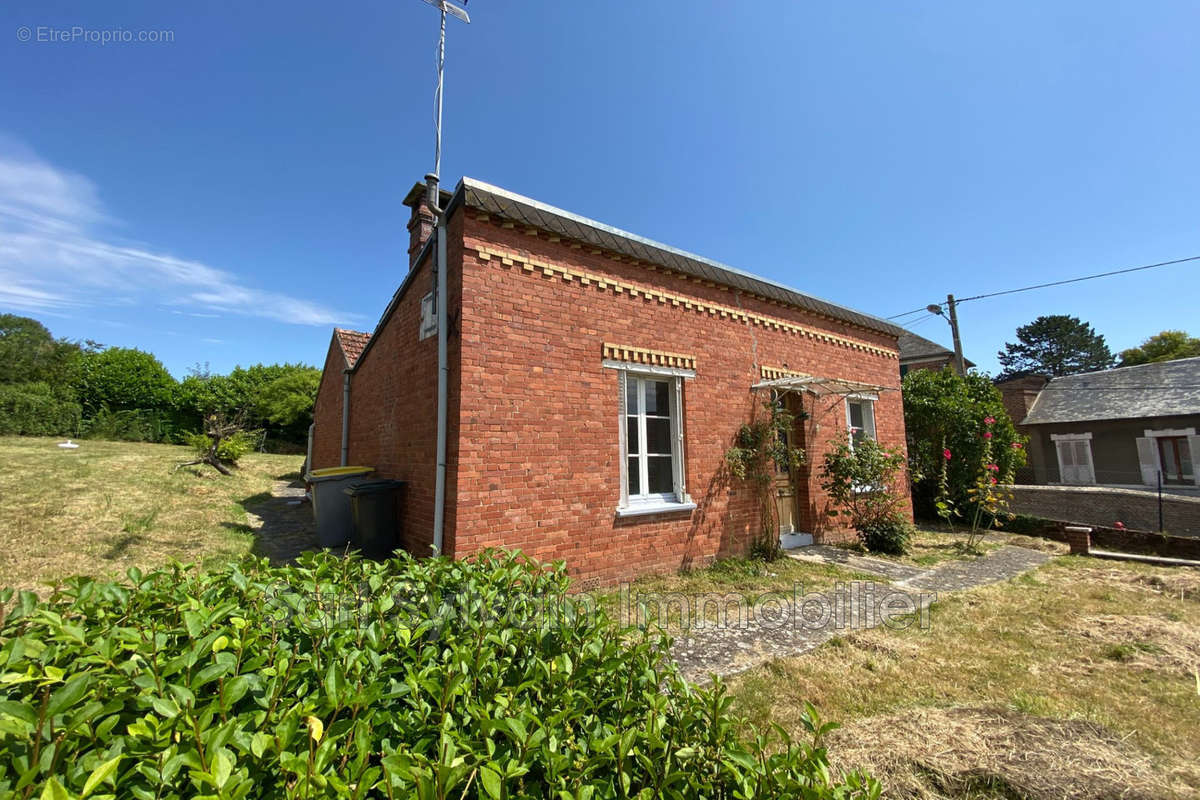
{"x":229,"y":450}
{"x":121,"y":378}
{"x":886,"y":535}
{"x":33,"y":409}
{"x":941,"y":413}
{"x":134,"y":425}
{"x":348,"y":678}
{"x":864,"y":483}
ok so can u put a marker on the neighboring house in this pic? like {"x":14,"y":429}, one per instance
{"x":596,"y":380}
{"x":1120,"y":427}
{"x":917,"y":352}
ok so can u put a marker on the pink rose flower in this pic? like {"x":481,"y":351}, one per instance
{"x":993,"y":467}
{"x":1016,"y":445}
{"x":987,"y":434}
{"x":993,"y":481}
{"x":946,"y":453}
{"x":989,"y":420}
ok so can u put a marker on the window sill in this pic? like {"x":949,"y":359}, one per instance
{"x":643,"y":509}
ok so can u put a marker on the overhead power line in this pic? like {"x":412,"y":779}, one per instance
{"x":1084,"y":278}
{"x":1061,"y":283}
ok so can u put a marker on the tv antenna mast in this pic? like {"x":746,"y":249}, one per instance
{"x":445,"y":7}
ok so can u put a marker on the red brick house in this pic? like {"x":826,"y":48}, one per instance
{"x":595,"y":380}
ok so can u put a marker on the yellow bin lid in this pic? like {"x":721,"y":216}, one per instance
{"x":334,"y":472}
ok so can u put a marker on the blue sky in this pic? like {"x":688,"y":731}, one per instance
{"x":229,"y":196}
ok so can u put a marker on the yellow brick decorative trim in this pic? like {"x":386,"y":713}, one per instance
{"x":648,"y":294}
{"x":641,"y":355}
{"x":775,"y":373}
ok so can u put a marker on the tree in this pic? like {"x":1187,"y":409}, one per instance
{"x":288,"y":400}
{"x":945,"y":413}
{"x":29,"y":354}
{"x":1164,"y":346}
{"x":1055,"y":345}
{"x":121,"y":378}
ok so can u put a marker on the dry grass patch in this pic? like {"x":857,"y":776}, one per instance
{"x":108,"y":506}
{"x":735,"y":579}
{"x":1148,"y":642}
{"x":1025,"y":647}
{"x":936,"y":754}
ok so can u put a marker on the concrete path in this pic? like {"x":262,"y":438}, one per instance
{"x":779,"y":627}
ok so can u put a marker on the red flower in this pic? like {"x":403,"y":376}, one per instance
{"x":946,"y":453}
{"x":993,"y":481}
{"x":987,"y":434}
{"x":993,"y":467}
{"x":989,"y":420}
{"x":1016,"y":445}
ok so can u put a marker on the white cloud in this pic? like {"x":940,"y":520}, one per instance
{"x":54,"y":255}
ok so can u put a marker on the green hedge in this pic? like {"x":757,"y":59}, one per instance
{"x":346,"y":678}
{"x":33,"y":409}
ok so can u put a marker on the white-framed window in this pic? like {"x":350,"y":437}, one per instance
{"x":428,"y":317}
{"x":653,"y":476}
{"x":860,"y":418}
{"x":1074,"y":451}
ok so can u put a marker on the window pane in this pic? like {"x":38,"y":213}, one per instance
{"x":657,"y":397}
{"x":631,"y":390}
{"x":856,"y":415}
{"x":1067,"y":454}
{"x":635,"y":477}
{"x":633,"y":444}
{"x":658,"y":436}
{"x":659,"y":469}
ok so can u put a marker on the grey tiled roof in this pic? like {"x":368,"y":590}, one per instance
{"x":1168,"y":388}
{"x":918,"y":348}
{"x":517,"y":208}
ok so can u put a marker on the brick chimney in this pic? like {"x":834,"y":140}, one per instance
{"x":420,"y":224}
{"x":1018,"y":394}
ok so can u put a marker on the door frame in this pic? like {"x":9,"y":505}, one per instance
{"x":789,"y":484}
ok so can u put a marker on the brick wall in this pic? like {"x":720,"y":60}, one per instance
{"x":327,"y":412}
{"x":393,"y":404}
{"x":537,"y":448}
{"x":1091,"y":505}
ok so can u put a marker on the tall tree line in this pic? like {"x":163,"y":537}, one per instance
{"x":56,"y":387}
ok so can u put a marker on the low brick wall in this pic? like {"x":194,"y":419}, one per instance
{"x":1098,"y":506}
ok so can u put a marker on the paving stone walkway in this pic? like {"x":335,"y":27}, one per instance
{"x":283,"y":524}
{"x":781,"y":627}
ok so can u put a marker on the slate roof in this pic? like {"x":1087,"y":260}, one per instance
{"x":352,"y":343}
{"x":915,"y":348}
{"x":1164,"y":389}
{"x":517,"y":208}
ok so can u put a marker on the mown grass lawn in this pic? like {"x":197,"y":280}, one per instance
{"x":1065,"y":682}
{"x":108,"y":506}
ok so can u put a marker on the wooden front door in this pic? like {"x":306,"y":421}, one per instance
{"x":784,"y":485}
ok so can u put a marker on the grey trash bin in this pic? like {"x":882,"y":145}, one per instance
{"x":331,"y":508}
{"x":376,"y":507}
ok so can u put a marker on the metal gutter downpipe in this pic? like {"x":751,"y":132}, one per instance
{"x":441,"y":305}
{"x":346,"y":418}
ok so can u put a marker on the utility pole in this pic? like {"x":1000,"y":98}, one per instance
{"x":951,"y":315}
{"x":959,"y":363}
